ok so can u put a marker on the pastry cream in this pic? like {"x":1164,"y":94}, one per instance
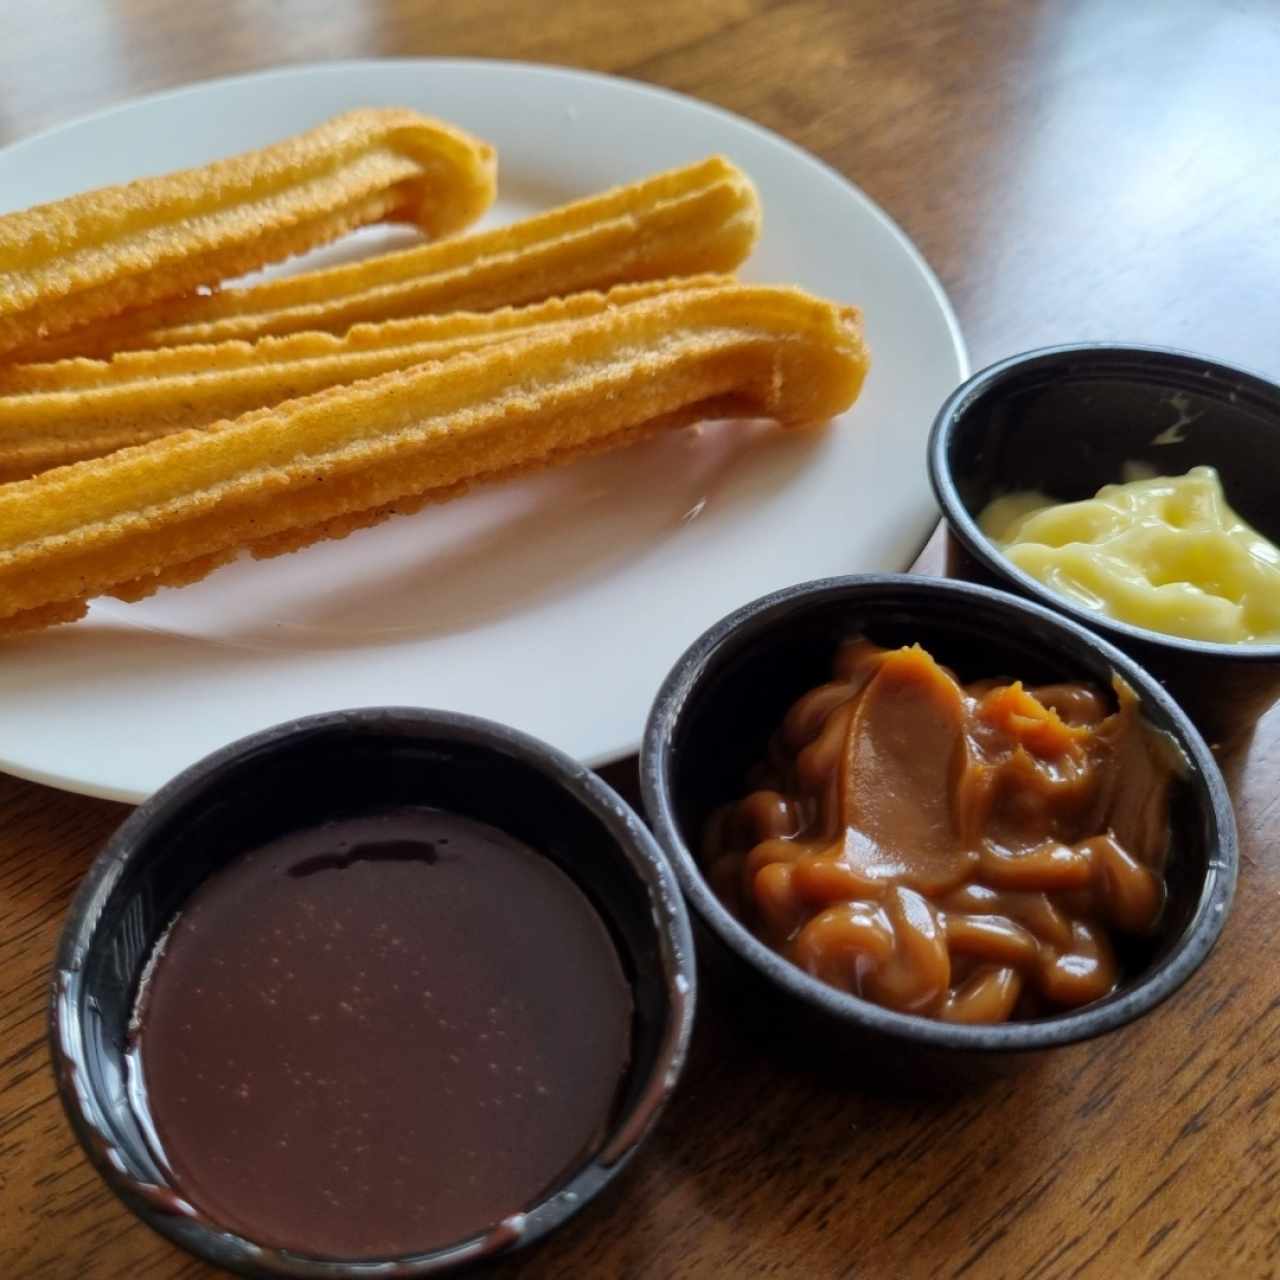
{"x":1162,"y":552}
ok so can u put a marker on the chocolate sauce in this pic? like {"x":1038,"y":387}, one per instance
{"x":380,"y":1036}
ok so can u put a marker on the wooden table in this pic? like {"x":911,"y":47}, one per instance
{"x":1096,"y":169}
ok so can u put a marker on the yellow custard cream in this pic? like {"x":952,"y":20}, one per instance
{"x":1163,"y":552}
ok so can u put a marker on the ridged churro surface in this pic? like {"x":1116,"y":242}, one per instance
{"x":54,"y":414}
{"x":97,"y":254}
{"x":169,"y":511}
{"x":701,"y":218}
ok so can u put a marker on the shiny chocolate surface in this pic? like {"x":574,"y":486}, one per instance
{"x":380,"y":1034}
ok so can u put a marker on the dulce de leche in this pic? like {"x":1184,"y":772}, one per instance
{"x":961,"y":851}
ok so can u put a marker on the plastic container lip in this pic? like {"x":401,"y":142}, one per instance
{"x":90,"y":1087}
{"x":904,"y":595}
{"x":1166,"y":370}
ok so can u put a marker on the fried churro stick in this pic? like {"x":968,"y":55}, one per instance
{"x":55,"y":414}
{"x":94,"y":255}
{"x":702,"y":218}
{"x":170,"y":511}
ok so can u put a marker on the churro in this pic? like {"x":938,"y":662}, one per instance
{"x":55,"y":414}
{"x":702,"y":218}
{"x":276,"y":479}
{"x":96,"y":254}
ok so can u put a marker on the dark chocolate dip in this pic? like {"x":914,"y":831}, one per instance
{"x":381,"y":1035}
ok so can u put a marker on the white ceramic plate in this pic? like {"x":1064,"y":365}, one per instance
{"x":556,"y":604}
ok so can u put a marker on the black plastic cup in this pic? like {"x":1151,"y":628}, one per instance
{"x":729,"y":691}
{"x":1065,"y":420}
{"x":305,"y":772}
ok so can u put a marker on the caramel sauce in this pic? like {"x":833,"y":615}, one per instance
{"x":964,"y":852}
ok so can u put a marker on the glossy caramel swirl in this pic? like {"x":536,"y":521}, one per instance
{"x":965,"y":852}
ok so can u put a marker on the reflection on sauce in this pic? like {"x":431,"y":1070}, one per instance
{"x":961,"y":852}
{"x":381,"y":1035}
{"x":1162,"y":552}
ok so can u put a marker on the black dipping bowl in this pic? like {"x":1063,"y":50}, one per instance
{"x":322,"y":767}
{"x":731,"y":688}
{"x":1065,"y":420}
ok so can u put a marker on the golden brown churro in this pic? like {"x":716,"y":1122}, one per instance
{"x":276,"y":479}
{"x":702,"y":218}
{"x":55,"y":414}
{"x":96,"y":254}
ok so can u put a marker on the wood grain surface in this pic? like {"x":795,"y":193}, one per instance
{"x":1094,"y":169}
